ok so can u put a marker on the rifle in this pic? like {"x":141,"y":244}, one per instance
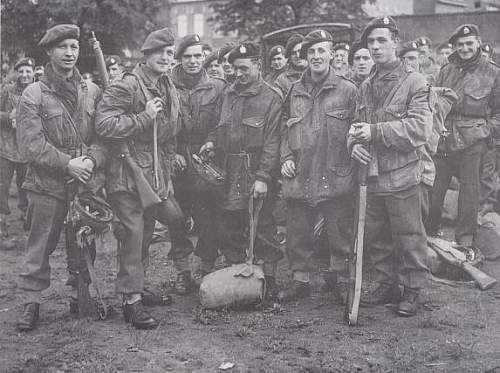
{"x":99,"y":58}
{"x":356,"y":260}
{"x":451,"y":255}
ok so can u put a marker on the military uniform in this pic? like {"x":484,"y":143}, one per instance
{"x":247,"y":137}
{"x":472,"y":120}
{"x":200,"y":104}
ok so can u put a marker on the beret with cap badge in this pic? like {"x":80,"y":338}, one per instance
{"x":291,"y":43}
{"x":314,"y":37}
{"x":464,"y":30}
{"x":211,"y":57}
{"x":187,"y":41}
{"x":244,"y":50}
{"x":57,"y":33}
{"x":158,"y":39}
{"x":275,"y":50}
{"x":407,"y":47}
{"x":379,"y":22}
{"x":26,"y":61}
{"x":113,"y":60}
{"x":356,"y":46}
{"x":343,"y":46}
{"x":225,"y":49}
{"x":423,"y":40}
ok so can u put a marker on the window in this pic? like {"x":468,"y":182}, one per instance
{"x":182,"y":25}
{"x":198,"y":24}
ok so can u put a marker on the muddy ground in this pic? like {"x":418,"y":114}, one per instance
{"x":457,"y":330}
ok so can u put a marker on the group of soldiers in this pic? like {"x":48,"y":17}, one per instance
{"x":325,"y":112}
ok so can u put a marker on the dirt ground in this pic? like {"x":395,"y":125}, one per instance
{"x":457,"y":330}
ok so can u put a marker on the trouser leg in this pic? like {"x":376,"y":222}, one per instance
{"x":409,"y":238}
{"x":205,"y":217}
{"x":6,"y":173}
{"x":47,"y":222}
{"x":231,"y":230}
{"x":300,"y":225}
{"x":147,"y":235}
{"x":444,"y":172}
{"x":22,"y":203}
{"x":468,"y":197}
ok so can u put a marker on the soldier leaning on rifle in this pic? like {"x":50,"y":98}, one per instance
{"x":10,"y":158}
{"x":248,"y":137}
{"x":55,"y":133}
{"x":360,"y":61}
{"x":474,"y":125}
{"x":318,"y":172}
{"x":393,"y":123}
{"x":296,"y":64}
{"x":200,"y":103}
{"x":127,"y":112}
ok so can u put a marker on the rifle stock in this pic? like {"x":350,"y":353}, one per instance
{"x":99,"y":57}
{"x":483,"y":281}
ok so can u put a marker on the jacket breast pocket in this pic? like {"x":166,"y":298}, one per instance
{"x":294,"y":133}
{"x":254,"y":130}
{"x":52,"y":123}
{"x":476,"y":101}
{"x":395,"y":112}
{"x":208,"y":117}
{"x":337,"y":122}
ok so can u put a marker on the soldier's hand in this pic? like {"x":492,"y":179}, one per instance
{"x":207,"y":150}
{"x":259,"y":189}
{"x":361,"y":132}
{"x":154,"y":106}
{"x":361,"y":154}
{"x":78,"y":168}
{"x":180,"y":163}
{"x":288,"y":168}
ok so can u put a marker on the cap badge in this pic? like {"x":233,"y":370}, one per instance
{"x":466,"y":30}
{"x":386,"y":21}
{"x":112,"y":60}
{"x":243,"y":50}
{"x":323,"y":34}
{"x":347,"y":47}
{"x":413,"y":45}
{"x":278,"y":50}
{"x":196,"y":38}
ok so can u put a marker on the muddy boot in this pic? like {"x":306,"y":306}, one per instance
{"x":183,"y":283}
{"x":383,"y":294}
{"x":29,"y":317}
{"x":136,"y":315}
{"x":409,"y":304}
{"x":296,"y":291}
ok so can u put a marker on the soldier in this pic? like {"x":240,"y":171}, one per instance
{"x":296,"y":65}
{"x":247,"y":137}
{"x":428,"y":66}
{"x":126,"y":115}
{"x":473,"y":123}
{"x":487,"y":51}
{"x":207,"y":49}
{"x":317,"y":170}
{"x":360,"y":61}
{"x":10,"y":158}
{"x":393,"y":125}
{"x":409,"y":55}
{"x":223,"y":60}
{"x":443,"y":51}
{"x":340,"y":60}
{"x":212,"y":66}
{"x":115,"y":68}
{"x":277,"y":63}
{"x":55,"y":133}
{"x":200,"y":103}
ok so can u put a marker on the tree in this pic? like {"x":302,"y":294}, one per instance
{"x":254,"y":18}
{"x":118,"y":24}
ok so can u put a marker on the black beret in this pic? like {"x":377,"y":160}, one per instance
{"x":291,"y":43}
{"x":26,"y":61}
{"x":158,"y":39}
{"x":226,"y":48}
{"x":343,"y":46}
{"x":464,"y":30}
{"x":57,"y":33}
{"x":356,"y":46}
{"x":314,"y":37}
{"x":444,"y":45}
{"x":113,"y":60}
{"x":277,"y":49}
{"x":423,"y":40}
{"x":407,"y":47}
{"x":244,"y":50}
{"x":379,"y":22}
{"x":211,"y":57}
{"x":187,"y":41}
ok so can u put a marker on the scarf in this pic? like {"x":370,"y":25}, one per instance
{"x":66,"y":89}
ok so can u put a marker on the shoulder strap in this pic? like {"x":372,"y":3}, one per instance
{"x":393,"y":91}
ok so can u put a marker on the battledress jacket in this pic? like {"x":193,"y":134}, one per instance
{"x":476,"y":113}
{"x":48,"y":137}
{"x":285,"y":80}
{"x":315,"y":138}
{"x":248,"y":138}
{"x":121,"y":117}
{"x":401,"y":127}
{"x":9,"y":99}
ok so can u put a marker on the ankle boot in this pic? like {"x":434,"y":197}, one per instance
{"x":29,"y":317}
{"x":136,"y":315}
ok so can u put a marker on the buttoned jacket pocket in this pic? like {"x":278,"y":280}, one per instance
{"x":475,"y":102}
{"x":254,"y":131}
{"x":337,"y":122}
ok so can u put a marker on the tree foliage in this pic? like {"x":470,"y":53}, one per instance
{"x":118,"y":24}
{"x":253,"y":18}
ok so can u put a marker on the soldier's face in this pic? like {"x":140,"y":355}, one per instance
{"x":247,"y":71}
{"x":411,"y":61}
{"x":278,"y":61}
{"x":467,"y":46}
{"x":63,"y":55}
{"x":319,"y":56}
{"x":226,"y":66}
{"x":25,"y":75}
{"x":295,"y":59}
{"x":382,"y":46}
{"x":114,"y":71}
{"x":444,"y":53}
{"x":340,"y":59}
{"x":362,"y":62}
{"x":192,"y":59}
{"x":215,"y":69}
{"x":160,"y":60}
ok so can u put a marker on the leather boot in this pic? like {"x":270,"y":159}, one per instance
{"x":29,"y":317}
{"x":384,"y":293}
{"x":409,"y":304}
{"x":136,"y":315}
{"x":296,"y":291}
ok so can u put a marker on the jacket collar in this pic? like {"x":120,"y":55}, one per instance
{"x":330,"y":81}
{"x":391,"y":72}
{"x":177,"y":78}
